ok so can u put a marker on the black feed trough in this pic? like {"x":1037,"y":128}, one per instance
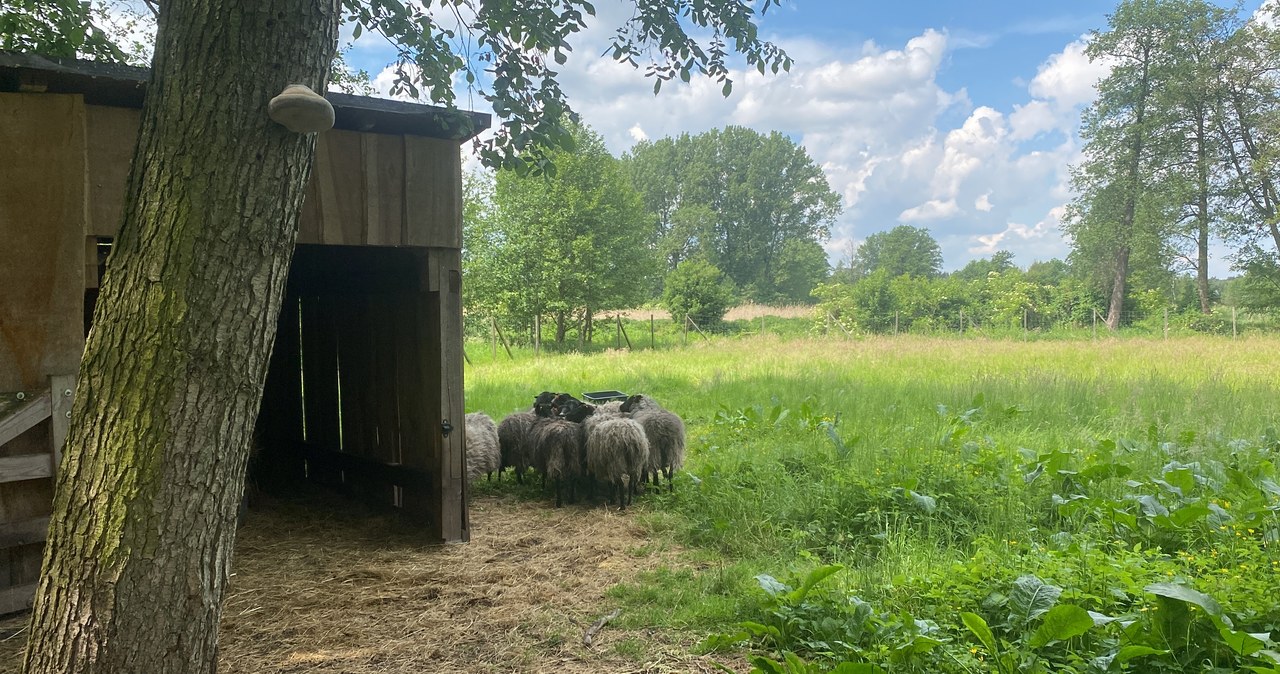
{"x":604,"y":396}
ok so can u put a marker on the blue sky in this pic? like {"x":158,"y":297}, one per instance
{"x":957,"y":117}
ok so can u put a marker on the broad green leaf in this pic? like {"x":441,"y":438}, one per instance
{"x":979,"y":627}
{"x":772,"y":585}
{"x":856,"y":668}
{"x":1061,"y":623}
{"x":1185,"y":594}
{"x":1240,"y":642}
{"x":1032,"y":597}
{"x":1130,"y":652}
{"x":766,"y":666}
{"x":815,"y":576}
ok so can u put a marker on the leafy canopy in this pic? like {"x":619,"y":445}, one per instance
{"x":506,"y":51}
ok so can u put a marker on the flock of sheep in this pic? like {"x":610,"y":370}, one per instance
{"x":576,"y":446}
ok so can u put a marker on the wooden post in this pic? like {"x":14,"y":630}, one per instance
{"x":962,"y":321}
{"x":1095,"y":323}
{"x":895,"y":322}
{"x":617,"y":332}
{"x":652,"y":343}
{"x":1166,"y":322}
{"x":686,"y":330}
{"x":502,"y":338}
{"x":493,"y":338}
{"x":537,"y":335}
{"x":623,"y":330}
{"x":1024,"y":324}
{"x":1233,"y":322}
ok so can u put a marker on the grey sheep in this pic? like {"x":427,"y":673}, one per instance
{"x":617,"y":452}
{"x":483,"y":453}
{"x":665,"y":431}
{"x":558,"y":455}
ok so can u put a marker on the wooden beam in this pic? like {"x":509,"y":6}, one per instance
{"x":25,"y":467}
{"x":62,"y":389}
{"x":25,"y":416}
{"x":22,"y":532}
{"x":17,"y":598}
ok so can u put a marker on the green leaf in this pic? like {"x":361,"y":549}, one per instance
{"x":1061,"y":623}
{"x":764,"y":665}
{"x":979,"y":627}
{"x":856,"y":668}
{"x":816,"y":576}
{"x":772,"y":585}
{"x":1185,"y":594}
{"x":1240,"y":642}
{"x":1130,"y":652}
{"x":1032,"y":597}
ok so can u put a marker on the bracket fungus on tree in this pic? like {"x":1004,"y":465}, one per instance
{"x":301,"y":110}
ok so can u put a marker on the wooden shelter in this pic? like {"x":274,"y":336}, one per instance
{"x":365,"y":385}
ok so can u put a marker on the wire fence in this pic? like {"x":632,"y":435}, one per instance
{"x":490,"y":338}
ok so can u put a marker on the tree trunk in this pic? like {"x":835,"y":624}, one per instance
{"x":1117,"y":288}
{"x":561,"y":329}
{"x":1202,"y":211}
{"x":143,"y":527}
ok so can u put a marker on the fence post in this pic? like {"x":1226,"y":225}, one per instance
{"x":493,"y":338}
{"x":1024,"y":324}
{"x":652,"y":343}
{"x":623,"y":331}
{"x":895,"y":322}
{"x":537,"y":335}
{"x":502,"y":337}
{"x":1095,"y":323}
{"x":1233,"y":323}
{"x":685,"y":340}
{"x":962,"y":321}
{"x":1166,"y":322}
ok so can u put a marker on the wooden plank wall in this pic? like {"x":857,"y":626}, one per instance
{"x":360,"y":193}
{"x":42,"y":222}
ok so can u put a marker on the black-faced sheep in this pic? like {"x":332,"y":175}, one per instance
{"x":515,"y":442}
{"x":484,"y":455}
{"x":665,"y":432}
{"x":617,"y":452}
{"x":559,"y":456}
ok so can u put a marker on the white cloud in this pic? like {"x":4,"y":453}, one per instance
{"x":1015,"y":232}
{"x":983,"y":202}
{"x":930,"y":210}
{"x":637,"y":133}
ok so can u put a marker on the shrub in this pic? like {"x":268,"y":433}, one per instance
{"x":699,"y":290}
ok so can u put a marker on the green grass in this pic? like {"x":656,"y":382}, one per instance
{"x":912,"y":462}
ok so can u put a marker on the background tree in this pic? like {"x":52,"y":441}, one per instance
{"x":902,"y":250}
{"x":1146,"y":176}
{"x":1248,"y":119}
{"x":564,"y":246}
{"x":980,"y":268}
{"x":143,"y":522}
{"x":742,"y":200}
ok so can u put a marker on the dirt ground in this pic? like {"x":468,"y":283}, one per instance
{"x":323,"y":586}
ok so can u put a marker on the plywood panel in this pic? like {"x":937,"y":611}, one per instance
{"x":42,"y":223}
{"x":112,"y":134}
{"x":433,"y":193}
{"x":42,"y":280}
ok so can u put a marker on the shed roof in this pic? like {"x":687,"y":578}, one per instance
{"x":118,"y":85}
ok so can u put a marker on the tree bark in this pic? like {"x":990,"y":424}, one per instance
{"x":1202,"y":210}
{"x":1117,"y":288}
{"x":144,"y":516}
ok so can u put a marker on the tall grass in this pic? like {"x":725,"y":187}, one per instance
{"x":907,"y":458}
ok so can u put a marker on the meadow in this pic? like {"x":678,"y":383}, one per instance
{"x":954,"y":505}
